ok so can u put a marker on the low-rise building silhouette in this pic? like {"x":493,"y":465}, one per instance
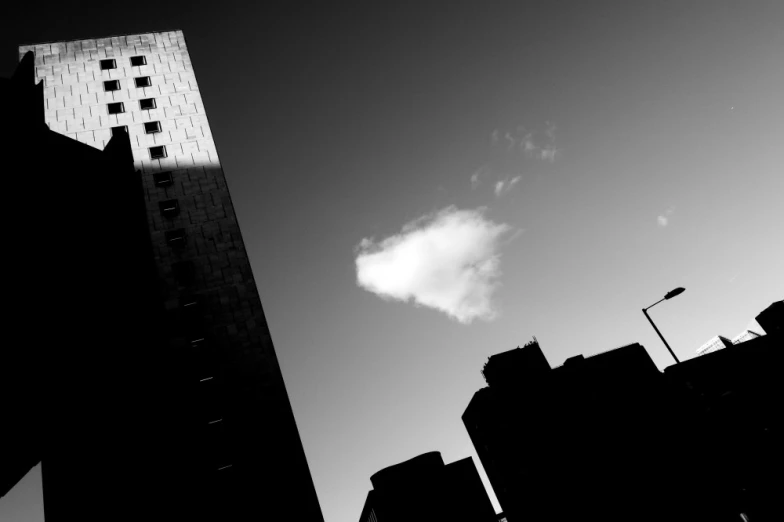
{"x":610,"y":437}
{"x":728,"y":405}
{"x":771,"y":319}
{"x":425,"y":489}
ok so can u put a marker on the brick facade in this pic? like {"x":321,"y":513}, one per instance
{"x":230,"y":371}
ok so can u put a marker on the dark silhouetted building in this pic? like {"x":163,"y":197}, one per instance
{"x":730,"y":404}
{"x":610,"y":437}
{"x":771,"y":319}
{"x":153,"y":360}
{"x":573,"y":442}
{"x":424,"y":489}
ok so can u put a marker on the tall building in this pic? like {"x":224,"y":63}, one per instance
{"x":228,"y":445}
{"x":745,"y":335}
{"x":714,"y":344}
{"x":424,"y":488}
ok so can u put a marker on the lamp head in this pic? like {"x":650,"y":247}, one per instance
{"x":673,"y":293}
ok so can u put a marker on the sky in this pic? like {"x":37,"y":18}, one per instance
{"x":420,"y":187}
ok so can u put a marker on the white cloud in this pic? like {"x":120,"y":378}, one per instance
{"x":448,"y":260}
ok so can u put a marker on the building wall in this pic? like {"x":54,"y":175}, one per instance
{"x":717,"y":343}
{"x":227,"y":392}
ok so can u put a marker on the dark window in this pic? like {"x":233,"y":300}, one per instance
{"x":183,"y":273}
{"x":108,"y":64}
{"x":217,"y":447}
{"x":158,"y":152}
{"x":147,"y":104}
{"x":162,"y":179}
{"x":152,"y":127}
{"x":111,"y":85}
{"x":143,"y":81}
{"x":209,"y":400}
{"x":116,"y":108}
{"x":121,"y":129}
{"x":192,"y":317}
{"x":176,"y":237}
{"x":137,"y":61}
{"x":169,"y":208}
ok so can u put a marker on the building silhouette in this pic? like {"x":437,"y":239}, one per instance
{"x":571,"y":442}
{"x":729,"y":407}
{"x":424,"y":488}
{"x":610,"y":437}
{"x":771,"y":319}
{"x":174,"y":405}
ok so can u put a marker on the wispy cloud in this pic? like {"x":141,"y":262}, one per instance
{"x":548,"y":153}
{"x":505,"y":185}
{"x":664,"y":219}
{"x":448,"y":260}
{"x":537,"y":145}
{"x":476,"y":177}
{"x":508,"y":152}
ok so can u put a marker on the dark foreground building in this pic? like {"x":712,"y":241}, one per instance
{"x":771,"y":319}
{"x":142,"y":375}
{"x":424,"y":489}
{"x":609,"y":437}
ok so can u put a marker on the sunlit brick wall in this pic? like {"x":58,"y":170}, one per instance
{"x":76,"y":100}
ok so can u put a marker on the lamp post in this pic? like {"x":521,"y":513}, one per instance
{"x":669,"y":295}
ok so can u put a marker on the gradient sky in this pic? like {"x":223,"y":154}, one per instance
{"x":656,"y":160}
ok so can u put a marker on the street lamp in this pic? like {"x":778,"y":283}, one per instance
{"x":669,"y":295}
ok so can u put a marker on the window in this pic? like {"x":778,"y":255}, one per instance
{"x":169,"y":208}
{"x":119,"y":130}
{"x":162,"y":179}
{"x":152,"y":127}
{"x":157,"y":152}
{"x":183,"y":273}
{"x":137,"y":61}
{"x":143,"y":81}
{"x":146,"y":104}
{"x":192,"y":316}
{"x":116,"y":108}
{"x":111,"y":85}
{"x":175,"y":238}
{"x":108,"y":64}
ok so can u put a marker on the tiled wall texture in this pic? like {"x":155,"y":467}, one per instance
{"x":78,"y":105}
